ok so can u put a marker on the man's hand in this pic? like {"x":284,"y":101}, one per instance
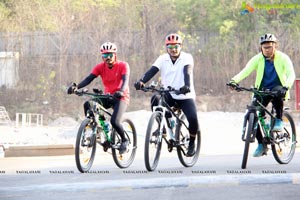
{"x":184,"y":89}
{"x":282,"y":92}
{"x":139,"y":85}
{"x":72,"y":88}
{"x":118,"y":94}
{"x":233,"y":85}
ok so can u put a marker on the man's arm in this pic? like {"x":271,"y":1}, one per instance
{"x":86,"y":81}
{"x":187,"y":70}
{"x":149,"y":74}
{"x":125,"y":79}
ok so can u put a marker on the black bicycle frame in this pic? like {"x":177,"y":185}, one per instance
{"x":259,"y":121}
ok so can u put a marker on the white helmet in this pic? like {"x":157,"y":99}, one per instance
{"x":108,"y":47}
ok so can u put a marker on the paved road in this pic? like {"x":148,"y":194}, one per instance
{"x":214,"y":176}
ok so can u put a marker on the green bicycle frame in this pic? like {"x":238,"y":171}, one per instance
{"x":263,"y":124}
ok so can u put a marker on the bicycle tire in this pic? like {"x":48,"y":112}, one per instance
{"x":125,"y":160}
{"x":153,"y":141}
{"x":182,"y":136}
{"x":249,"y":132}
{"x":284,"y":145}
{"x":85,"y":147}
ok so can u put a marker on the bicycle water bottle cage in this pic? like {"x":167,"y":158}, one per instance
{"x":102,"y":117}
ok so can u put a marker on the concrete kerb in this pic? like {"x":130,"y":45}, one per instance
{"x":42,"y":150}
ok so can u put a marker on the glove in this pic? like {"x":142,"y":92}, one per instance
{"x":184,"y":89}
{"x":72,"y":88}
{"x":139,"y":85}
{"x":118,"y":94}
{"x":282,"y":92}
{"x":233,"y":85}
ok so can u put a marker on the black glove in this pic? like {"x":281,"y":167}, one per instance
{"x":118,"y":94}
{"x":184,"y":89}
{"x":282,"y":92}
{"x":233,"y":85}
{"x":139,"y":85}
{"x":72,"y":88}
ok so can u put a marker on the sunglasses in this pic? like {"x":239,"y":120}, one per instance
{"x":173,"y":46}
{"x":106,"y":55}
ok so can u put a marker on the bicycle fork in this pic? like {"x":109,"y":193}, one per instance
{"x":246,"y":125}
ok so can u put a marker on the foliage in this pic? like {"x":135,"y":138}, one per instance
{"x":220,"y":38}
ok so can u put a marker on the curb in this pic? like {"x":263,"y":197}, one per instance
{"x":171,"y":182}
{"x":40,"y":150}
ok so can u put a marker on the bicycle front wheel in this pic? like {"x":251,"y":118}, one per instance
{"x":153,"y":141}
{"x":284,"y":142}
{"x":125,"y":160}
{"x":249,"y":134}
{"x":183,"y":137}
{"x":85,"y":147}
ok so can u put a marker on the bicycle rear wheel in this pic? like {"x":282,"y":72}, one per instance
{"x":183,"y":137}
{"x":125,"y":160}
{"x":284,"y":142}
{"x":249,"y":131}
{"x":153,"y":141}
{"x":85,"y":147}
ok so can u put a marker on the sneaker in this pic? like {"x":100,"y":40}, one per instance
{"x":191,"y":150}
{"x":123,"y":146}
{"x":260,"y":151}
{"x":278,"y":126}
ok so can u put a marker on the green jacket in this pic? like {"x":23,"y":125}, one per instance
{"x":283,"y":66}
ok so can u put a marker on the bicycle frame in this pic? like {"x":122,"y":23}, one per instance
{"x":163,"y":108}
{"x":98,"y":110}
{"x":93,"y":131}
{"x":259,"y":120}
{"x":283,"y":142}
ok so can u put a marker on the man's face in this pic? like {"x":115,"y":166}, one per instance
{"x":268,"y":49}
{"x":174,"y":50}
{"x":109,"y":58}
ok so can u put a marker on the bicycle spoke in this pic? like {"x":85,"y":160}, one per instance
{"x":125,"y":159}
{"x":284,"y":143}
{"x":85,"y":147}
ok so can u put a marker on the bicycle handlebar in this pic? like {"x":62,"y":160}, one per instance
{"x":161,"y":90}
{"x":97,"y":93}
{"x":253,"y":90}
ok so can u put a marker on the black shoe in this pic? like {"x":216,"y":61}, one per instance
{"x":123,"y":146}
{"x":191,"y":150}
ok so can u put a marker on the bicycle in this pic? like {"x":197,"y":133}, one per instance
{"x":94,"y":130}
{"x":283,"y":143}
{"x":173,"y":129}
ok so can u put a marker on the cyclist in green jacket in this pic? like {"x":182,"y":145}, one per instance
{"x":274,"y":71}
